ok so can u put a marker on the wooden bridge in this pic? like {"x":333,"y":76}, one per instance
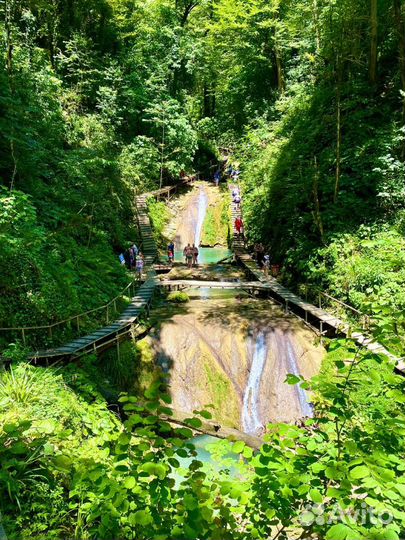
{"x":140,"y":303}
{"x":325,"y":323}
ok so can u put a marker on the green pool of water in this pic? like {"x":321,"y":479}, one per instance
{"x":206,"y":255}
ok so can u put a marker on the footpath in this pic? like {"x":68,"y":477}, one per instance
{"x":323,"y":321}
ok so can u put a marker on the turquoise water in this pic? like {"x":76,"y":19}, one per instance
{"x":215,"y":454}
{"x":206,"y":255}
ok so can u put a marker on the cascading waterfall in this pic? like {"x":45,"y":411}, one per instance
{"x":202,"y":210}
{"x":251,"y":422}
{"x":306,"y":407}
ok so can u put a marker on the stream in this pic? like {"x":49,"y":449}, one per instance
{"x":227,"y":349}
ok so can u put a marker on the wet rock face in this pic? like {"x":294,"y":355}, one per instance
{"x":235,"y":354}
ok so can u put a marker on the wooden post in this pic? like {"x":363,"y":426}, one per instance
{"x":320,"y":300}
{"x":50,"y":332}
{"x":115,"y":305}
{"x":286,"y":306}
{"x":321,"y":327}
{"x":23,"y":335}
{"x":108,"y":314}
{"x":118,"y":348}
{"x":78,"y":323}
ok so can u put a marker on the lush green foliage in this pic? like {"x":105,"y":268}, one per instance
{"x":178,"y":297}
{"x":98,"y":477}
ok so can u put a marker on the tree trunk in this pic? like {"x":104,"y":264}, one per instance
{"x":400,"y":30}
{"x":315,"y":14}
{"x":374,"y":41}
{"x":9,"y":62}
{"x":280,"y":71}
{"x":338,"y":130}
{"x":317,"y":211}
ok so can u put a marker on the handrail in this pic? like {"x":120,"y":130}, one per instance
{"x":320,"y":293}
{"x":73,"y":317}
{"x":186,"y":180}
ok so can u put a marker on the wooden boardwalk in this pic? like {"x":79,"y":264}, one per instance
{"x":140,"y":303}
{"x":326,"y":323}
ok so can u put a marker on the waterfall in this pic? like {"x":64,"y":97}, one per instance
{"x":251,"y":400}
{"x":306,"y":407}
{"x":202,"y":210}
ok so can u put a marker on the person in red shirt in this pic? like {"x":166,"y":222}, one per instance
{"x":239,"y":225}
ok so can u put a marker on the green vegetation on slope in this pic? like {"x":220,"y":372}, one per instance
{"x":216,"y":224}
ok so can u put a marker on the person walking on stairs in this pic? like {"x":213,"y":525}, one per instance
{"x":239,"y":225}
{"x":266,"y":264}
{"x":140,"y":261}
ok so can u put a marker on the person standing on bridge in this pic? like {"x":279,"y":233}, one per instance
{"x":266,"y":264}
{"x":140,"y":264}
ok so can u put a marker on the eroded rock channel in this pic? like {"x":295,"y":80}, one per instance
{"x":228,"y":349}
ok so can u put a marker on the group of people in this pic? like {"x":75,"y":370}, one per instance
{"x":233,"y":173}
{"x":190,"y":253}
{"x":236,"y":197}
{"x":133,"y":258}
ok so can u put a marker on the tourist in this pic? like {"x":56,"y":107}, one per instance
{"x":139,"y":264}
{"x":135,"y":249}
{"x":235,"y":193}
{"x":132,"y":258}
{"x":239,"y":225}
{"x":195,"y":255}
{"x":236,"y":200}
{"x":185,"y":250}
{"x":260,"y":254}
{"x":266,"y":264}
{"x":189,"y":256}
{"x":170,"y":247}
{"x":170,"y":256}
{"x":188,"y":253}
{"x":217,"y":177}
{"x":127,"y":259}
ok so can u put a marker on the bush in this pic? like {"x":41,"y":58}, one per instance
{"x":178,"y":297}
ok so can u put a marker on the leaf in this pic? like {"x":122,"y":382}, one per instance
{"x":238,"y":447}
{"x":338,"y":532}
{"x":205,"y":414}
{"x":360,"y":472}
{"x":315,"y":495}
{"x":292,"y":379}
{"x":193,"y":422}
{"x":62,"y":462}
{"x":190,"y":502}
{"x":129,"y":482}
{"x":142,"y":517}
{"x":390,"y":534}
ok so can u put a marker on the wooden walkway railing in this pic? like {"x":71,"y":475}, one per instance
{"x":140,"y":300}
{"x":109,"y":309}
{"x":317,"y":317}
